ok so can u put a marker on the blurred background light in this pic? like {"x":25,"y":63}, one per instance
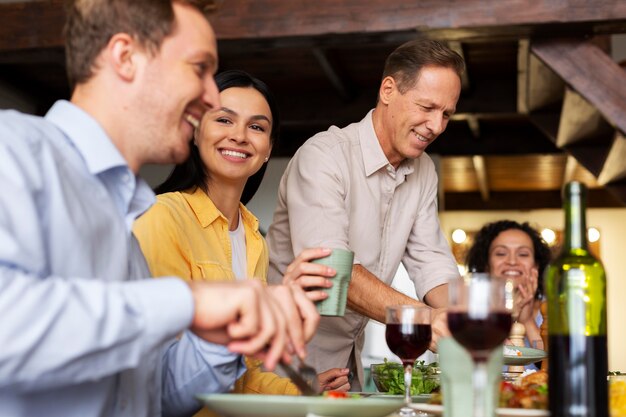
{"x":548,"y":235}
{"x":593,"y":234}
{"x":459,"y":236}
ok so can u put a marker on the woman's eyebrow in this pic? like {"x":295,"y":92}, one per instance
{"x":255,"y":117}
{"x":261,"y":117}
{"x":229,"y":111}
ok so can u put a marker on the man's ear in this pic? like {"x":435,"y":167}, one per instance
{"x":122,"y":54}
{"x":387,"y":88}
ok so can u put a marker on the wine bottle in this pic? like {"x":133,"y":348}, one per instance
{"x":577,"y":344}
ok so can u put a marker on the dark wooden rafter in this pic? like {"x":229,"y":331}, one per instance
{"x":580,"y":122}
{"x":31,"y":24}
{"x":538,"y":86}
{"x":570,"y":168}
{"x":590,"y":72}
{"x":614,"y":168}
{"x":481,"y":176}
{"x":302,"y":18}
{"x":457,"y":47}
{"x":474,"y":126}
{"x":596,"y":94}
{"x":342,"y":86}
{"x":37,"y":24}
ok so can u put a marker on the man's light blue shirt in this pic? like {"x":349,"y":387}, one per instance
{"x":82,"y":333}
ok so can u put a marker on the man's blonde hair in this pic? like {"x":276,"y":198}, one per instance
{"x":405,"y":63}
{"x":91,"y":24}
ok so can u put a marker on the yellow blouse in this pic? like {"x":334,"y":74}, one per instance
{"x":185,"y":235}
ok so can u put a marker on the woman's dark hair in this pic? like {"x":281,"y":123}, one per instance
{"x":477,"y":258}
{"x":192,"y":172}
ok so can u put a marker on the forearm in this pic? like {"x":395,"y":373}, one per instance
{"x":437,"y":297}
{"x":111,"y":326}
{"x":532,"y":331}
{"x":367,"y":295}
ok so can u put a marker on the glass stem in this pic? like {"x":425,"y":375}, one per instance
{"x":408,"y":377}
{"x":480,"y":384}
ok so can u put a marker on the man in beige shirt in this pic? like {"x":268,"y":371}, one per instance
{"x":370,"y":188}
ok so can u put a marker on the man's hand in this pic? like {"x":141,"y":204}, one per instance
{"x":439,"y":324}
{"x":308,"y":275}
{"x":243,"y":316}
{"x":301,"y":315}
{"x":335,"y":379}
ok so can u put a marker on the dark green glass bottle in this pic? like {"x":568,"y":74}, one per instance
{"x":576,"y":293}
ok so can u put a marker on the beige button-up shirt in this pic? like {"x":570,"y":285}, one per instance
{"x":340,"y":191}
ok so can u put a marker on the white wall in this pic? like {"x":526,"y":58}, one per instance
{"x":264,"y":201}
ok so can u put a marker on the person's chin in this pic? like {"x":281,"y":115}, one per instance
{"x":179,"y":154}
{"x":415,"y":153}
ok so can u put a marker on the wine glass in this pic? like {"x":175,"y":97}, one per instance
{"x":408,"y":334}
{"x":479,"y":318}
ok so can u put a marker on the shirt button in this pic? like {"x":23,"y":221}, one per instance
{"x":126,"y":177}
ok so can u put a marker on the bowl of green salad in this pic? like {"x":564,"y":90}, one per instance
{"x":389,"y":377}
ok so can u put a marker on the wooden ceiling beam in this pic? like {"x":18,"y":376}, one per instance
{"x":614,"y":168}
{"x":341,"y":85}
{"x":538,"y":86}
{"x":570,"y":169}
{"x":31,"y":24}
{"x":580,"y":121}
{"x":270,"y":18}
{"x":481,"y":176}
{"x":38,"y":24}
{"x":589,"y":71}
{"x":457,"y":47}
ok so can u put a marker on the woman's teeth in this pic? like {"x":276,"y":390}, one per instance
{"x":234,"y":154}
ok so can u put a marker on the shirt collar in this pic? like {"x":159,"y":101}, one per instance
{"x":374,"y":157}
{"x":87,"y":136}
{"x":101,"y":156}
{"x":206,"y":212}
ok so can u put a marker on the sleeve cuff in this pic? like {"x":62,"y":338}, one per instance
{"x":168,"y":306}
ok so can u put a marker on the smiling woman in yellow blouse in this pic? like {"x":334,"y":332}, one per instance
{"x":200,"y":228}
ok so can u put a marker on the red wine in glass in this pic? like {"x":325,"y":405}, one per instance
{"x":408,"y":341}
{"x":479,"y":319}
{"x":480,"y":334}
{"x":408,"y":335}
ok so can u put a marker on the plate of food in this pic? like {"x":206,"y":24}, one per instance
{"x":253,"y":405}
{"x":527,"y":397}
{"x":437,"y":410}
{"x":516,"y":355}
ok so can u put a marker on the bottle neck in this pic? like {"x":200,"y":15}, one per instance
{"x":575,"y":222}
